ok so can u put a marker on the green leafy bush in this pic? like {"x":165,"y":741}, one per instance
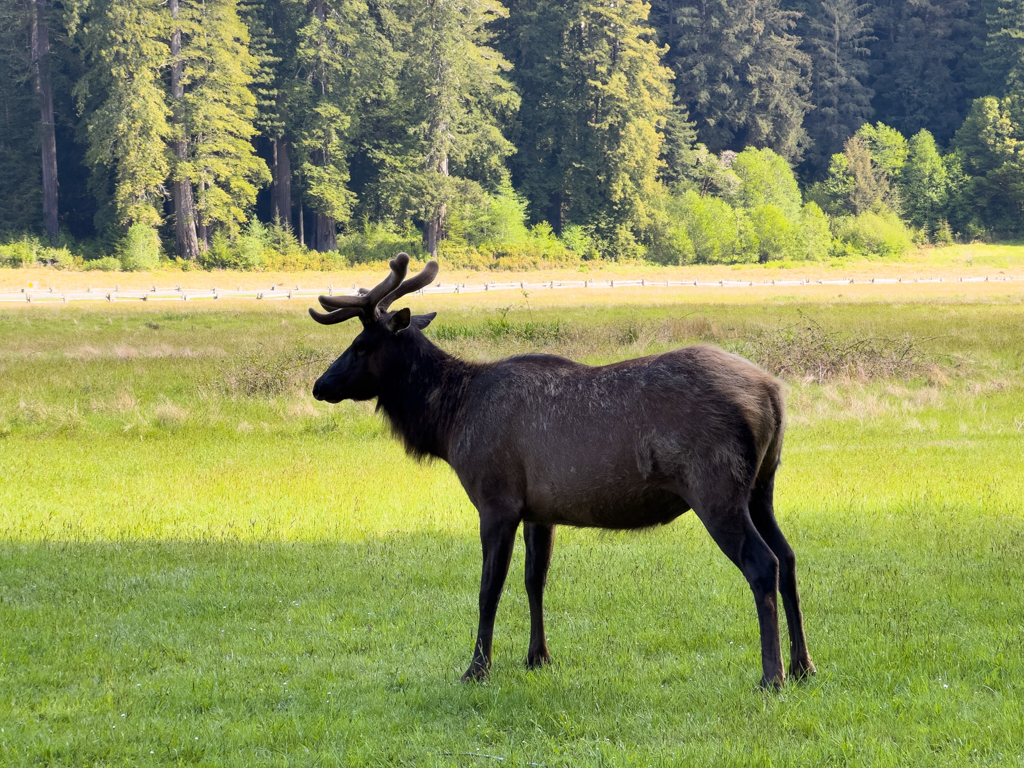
{"x":878,"y":232}
{"x":104,"y":264}
{"x":140,"y":249}
{"x":816,"y":232}
{"x":251,"y":246}
{"x":766,"y":179}
{"x":379,"y":242}
{"x":777,"y":236}
{"x":712,"y":227}
{"x":20,"y":253}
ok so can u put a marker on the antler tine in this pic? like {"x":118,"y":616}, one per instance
{"x":399,"y":266}
{"x":337,"y":302}
{"x":424,"y":278}
{"x":337,"y":316}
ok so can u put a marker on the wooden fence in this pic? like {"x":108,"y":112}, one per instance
{"x":178,"y":293}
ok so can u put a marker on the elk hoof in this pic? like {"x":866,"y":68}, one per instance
{"x":476,"y":674}
{"x":802,"y":669}
{"x":772,"y":684}
{"x":537,"y":660}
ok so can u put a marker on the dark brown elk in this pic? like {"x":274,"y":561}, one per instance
{"x":544,"y":441}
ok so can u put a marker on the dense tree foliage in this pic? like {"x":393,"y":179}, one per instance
{"x":532,"y":129}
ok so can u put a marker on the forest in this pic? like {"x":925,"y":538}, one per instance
{"x":315,"y":133}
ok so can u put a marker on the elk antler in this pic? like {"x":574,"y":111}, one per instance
{"x":369,"y":305}
{"x":365,"y":304}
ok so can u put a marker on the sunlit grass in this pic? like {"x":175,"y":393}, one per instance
{"x":193,"y":574}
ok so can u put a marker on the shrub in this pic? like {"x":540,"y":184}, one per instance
{"x":712,"y":226}
{"x":251,"y":246}
{"x":104,"y":264}
{"x":580,"y":240}
{"x":766,"y":179}
{"x":817,"y":235}
{"x":878,"y":232}
{"x":777,"y":236}
{"x":140,"y":249}
{"x":20,"y":253}
{"x":379,"y":242}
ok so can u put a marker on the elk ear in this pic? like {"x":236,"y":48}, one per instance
{"x":399,"y":321}
{"x":422,"y":321}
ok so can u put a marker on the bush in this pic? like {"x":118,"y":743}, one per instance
{"x":542,"y":249}
{"x":766,"y":179}
{"x":581,"y":241}
{"x":816,"y":232}
{"x":140,"y":249}
{"x":105,"y":264}
{"x":379,"y":242}
{"x":251,"y":246}
{"x":713,"y":228}
{"x":20,"y":253}
{"x":878,"y":232}
{"x":777,"y":236}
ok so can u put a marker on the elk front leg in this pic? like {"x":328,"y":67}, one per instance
{"x":540,"y":540}
{"x":497,"y":536}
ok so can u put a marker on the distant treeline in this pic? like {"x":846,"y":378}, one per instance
{"x":230,"y":132}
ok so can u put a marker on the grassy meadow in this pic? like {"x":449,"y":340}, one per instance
{"x":201,"y":565}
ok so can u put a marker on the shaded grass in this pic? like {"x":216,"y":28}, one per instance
{"x":194,"y":570}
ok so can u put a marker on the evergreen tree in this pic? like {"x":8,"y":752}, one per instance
{"x":125,"y":110}
{"x":185,"y":218}
{"x":347,"y":61}
{"x":1005,"y":47}
{"x":740,"y":72}
{"x":43,"y":86}
{"x":990,"y":149}
{"x":919,"y":78}
{"x":20,"y":187}
{"x":218,"y":116}
{"x":596,"y":99}
{"x":838,"y":33}
{"x":456,"y":98}
{"x":924,"y":184}
{"x":273,"y":28}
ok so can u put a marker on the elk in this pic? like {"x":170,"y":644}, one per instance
{"x":544,"y":441}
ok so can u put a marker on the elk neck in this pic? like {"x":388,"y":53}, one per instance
{"x":423,"y":394}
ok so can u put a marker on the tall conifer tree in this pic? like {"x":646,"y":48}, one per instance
{"x":740,"y":72}
{"x":918,"y":78}
{"x":348,"y":64}
{"x":837,"y":37}
{"x":43,"y":85}
{"x":453,"y":100}
{"x":20,"y":187}
{"x":596,"y":101}
{"x":125,"y":109}
{"x":219,"y":115}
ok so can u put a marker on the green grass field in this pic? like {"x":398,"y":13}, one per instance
{"x":201,"y":565}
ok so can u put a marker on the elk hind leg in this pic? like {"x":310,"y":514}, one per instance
{"x":734,"y":532}
{"x":540,"y":541}
{"x":762,"y":512}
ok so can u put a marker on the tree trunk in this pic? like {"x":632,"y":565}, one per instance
{"x":282,"y":192}
{"x":326,"y":237}
{"x":434,"y":232}
{"x":44,"y":90}
{"x":184,"y":202}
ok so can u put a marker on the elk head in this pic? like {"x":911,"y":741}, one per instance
{"x":358,"y":373}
